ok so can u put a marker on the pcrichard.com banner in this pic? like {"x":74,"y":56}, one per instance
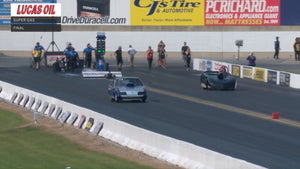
{"x":167,"y":12}
{"x":242,"y":12}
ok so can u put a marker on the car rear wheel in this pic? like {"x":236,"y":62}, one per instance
{"x":205,"y":84}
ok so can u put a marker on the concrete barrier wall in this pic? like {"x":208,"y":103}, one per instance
{"x":199,"y":41}
{"x":255,"y":73}
{"x":162,"y":147}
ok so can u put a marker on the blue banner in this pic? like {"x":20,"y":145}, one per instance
{"x":209,"y":65}
{"x":289,"y":12}
{"x":272,"y":77}
{"x":5,"y":8}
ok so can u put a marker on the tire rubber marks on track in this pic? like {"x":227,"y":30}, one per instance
{"x":225,"y":107}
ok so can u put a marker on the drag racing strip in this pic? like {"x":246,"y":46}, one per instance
{"x":226,"y":107}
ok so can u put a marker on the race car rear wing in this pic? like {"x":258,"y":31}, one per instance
{"x":91,"y":73}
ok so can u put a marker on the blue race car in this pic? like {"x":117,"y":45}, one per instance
{"x":127,"y":88}
{"x":218,"y":80}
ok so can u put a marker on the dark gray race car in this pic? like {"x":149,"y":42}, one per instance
{"x":218,"y":80}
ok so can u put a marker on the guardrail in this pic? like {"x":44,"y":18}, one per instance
{"x":162,"y":147}
{"x":255,"y":73}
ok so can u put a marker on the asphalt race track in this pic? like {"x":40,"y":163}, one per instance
{"x":236,"y":123}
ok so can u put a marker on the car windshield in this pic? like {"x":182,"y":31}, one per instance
{"x":129,"y":82}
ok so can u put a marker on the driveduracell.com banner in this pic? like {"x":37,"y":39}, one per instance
{"x":93,"y":8}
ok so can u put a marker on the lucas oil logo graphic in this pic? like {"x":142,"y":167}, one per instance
{"x":167,"y":6}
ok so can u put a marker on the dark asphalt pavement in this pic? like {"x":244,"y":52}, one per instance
{"x":263,"y":142}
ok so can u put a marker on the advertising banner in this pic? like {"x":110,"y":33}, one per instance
{"x":209,"y":65}
{"x":259,"y":74}
{"x":272,"y":77}
{"x":5,"y":8}
{"x":289,"y":11}
{"x":73,"y":118}
{"x":247,"y":72}
{"x":35,"y":10}
{"x":81,"y":121}
{"x":95,"y":12}
{"x":217,"y":66}
{"x":20,"y":98}
{"x":167,"y":12}
{"x":31,"y":102}
{"x":58,"y":112}
{"x":45,"y":107}
{"x":202,"y":65}
{"x":93,"y":8}
{"x":79,"y":12}
{"x":37,"y":105}
{"x":89,"y":124}
{"x":242,"y":12}
{"x":65,"y":115}
{"x":236,"y":70}
{"x":35,"y":17}
{"x":13,"y":97}
{"x":26,"y":99}
{"x":284,"y":79}
{"x":51,"y":110}
{"x":98,"y":127}
{"x":51,"y":57}
{"x":196,"y":64}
